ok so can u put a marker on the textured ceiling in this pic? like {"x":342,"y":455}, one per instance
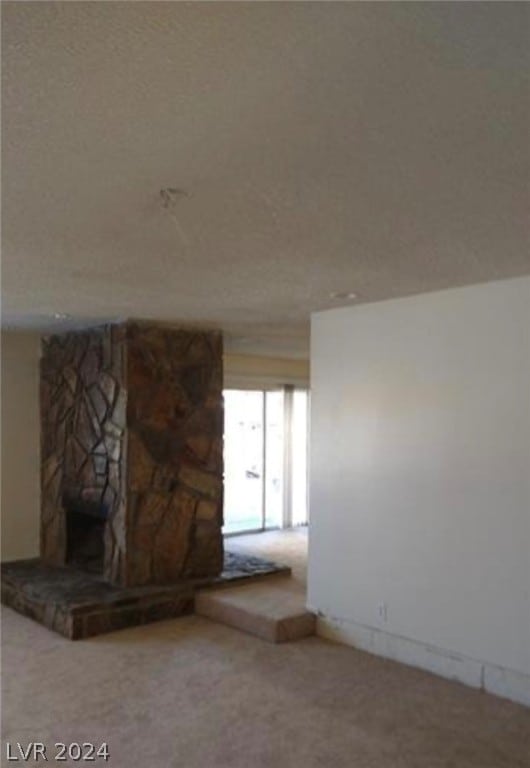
{"x":380,"y":148}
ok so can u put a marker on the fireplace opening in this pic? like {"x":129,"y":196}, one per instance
{"x":85,"y":530}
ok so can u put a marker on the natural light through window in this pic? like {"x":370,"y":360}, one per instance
{"x":265,"y":455}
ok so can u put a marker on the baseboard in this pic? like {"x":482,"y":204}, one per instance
{"x":478,"y":674}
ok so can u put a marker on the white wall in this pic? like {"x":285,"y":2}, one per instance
{"x":20,"y":445}
{"x":420,"y":481}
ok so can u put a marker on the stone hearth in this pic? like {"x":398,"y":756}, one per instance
{"x":79,"y":604}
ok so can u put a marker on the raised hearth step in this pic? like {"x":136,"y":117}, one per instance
{"x":79,"y":605}
{"x":274,"y":611}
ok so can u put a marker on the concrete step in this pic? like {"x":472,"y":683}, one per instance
{"x":274,"y":611}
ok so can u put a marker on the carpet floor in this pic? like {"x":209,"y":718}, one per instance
{"x":190,"y":693}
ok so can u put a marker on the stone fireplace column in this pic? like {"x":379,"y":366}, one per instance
{"x":175,"y":454}
{"x":132,"y":459}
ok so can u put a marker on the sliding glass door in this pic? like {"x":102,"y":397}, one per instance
{"x":265,"y":447}
{"x":244,"y":460}
{"x":299,"y":500}
{"x":274,"y":448}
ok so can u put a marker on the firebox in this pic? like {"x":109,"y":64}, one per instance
{"x":85,"y":532}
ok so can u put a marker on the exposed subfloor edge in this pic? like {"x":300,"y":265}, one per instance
{"x":503,"y":682}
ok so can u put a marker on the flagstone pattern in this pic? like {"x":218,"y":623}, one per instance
{"x":132,"y":427}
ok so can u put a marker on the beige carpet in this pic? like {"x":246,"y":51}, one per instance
{"x":189,"y":693}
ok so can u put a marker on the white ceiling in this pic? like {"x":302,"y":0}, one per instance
{"x":380,"y":148}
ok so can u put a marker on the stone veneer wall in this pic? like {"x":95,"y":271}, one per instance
{"x":175,"y":454}
{"x":83,"y":419}
{"x":132,"y":417}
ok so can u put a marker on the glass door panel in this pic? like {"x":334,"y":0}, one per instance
{"x":274,"y":459}
{"x":265,"y":454}
{"x":299,"y":458}
{"x":244,"y":460}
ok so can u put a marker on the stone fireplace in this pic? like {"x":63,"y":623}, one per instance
{"x":131,"y":451}
{"x":131,"y":482}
